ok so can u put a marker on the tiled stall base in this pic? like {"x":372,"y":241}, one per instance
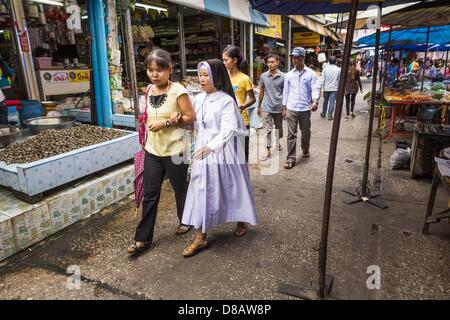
{"x":23,"y":224}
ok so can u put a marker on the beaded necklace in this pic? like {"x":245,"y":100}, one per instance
{"x":162,"y":98}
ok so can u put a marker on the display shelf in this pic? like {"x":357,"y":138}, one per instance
{"x":197,"y":43}
{"x":165,"y":35}
{"x":200,"y":32}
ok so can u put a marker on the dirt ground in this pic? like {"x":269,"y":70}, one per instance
{"x":282,"y":248}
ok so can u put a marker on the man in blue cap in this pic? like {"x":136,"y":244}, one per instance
{"x":300,"y":97}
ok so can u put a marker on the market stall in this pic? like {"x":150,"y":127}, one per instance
{"x":430,"y":104}
{"x":325,"y":281}
{"x":58,"y":35}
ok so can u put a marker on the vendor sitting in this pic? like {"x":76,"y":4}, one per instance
{"x":391,"y":73}
{"x":428,"y":72}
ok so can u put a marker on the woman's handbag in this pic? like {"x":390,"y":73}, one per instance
{"x":140,"y":156}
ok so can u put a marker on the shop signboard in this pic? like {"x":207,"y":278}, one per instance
{"x":66,"y":77}
{"x":79,"y":76}
{"x":24,"y":42}
{"x":306,"y":39}
{"x":272,"y":32}
{"x":59,"y":81}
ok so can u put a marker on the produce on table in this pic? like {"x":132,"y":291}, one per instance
{"x":52,"y":142}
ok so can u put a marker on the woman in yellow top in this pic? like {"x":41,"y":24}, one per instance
{"x":242,"y":85}
{"x":168,"y":109}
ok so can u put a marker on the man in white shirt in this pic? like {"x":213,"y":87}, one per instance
{"x":300,"y":97}
{"x":329,"y":83}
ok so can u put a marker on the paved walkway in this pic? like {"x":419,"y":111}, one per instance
{"x":281,"y":249}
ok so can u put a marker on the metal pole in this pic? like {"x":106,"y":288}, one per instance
{"x":182,"y":42}
{"x":446,"y":63}
{"x":332,"y":152}
{"x":95,"y":68}
{"x":232,"y":31}
{"x":244,"y":40}
{"x":251,"y":51}
{"x":425,"y":59}
{"x":337,"y":23}
{"x":129,"y":53}
{"x":21,"y":36}
{"x":371,"y":111}
{"x":386,"y":62}
{"x":241,"y":38}
{"x":289,"y":46}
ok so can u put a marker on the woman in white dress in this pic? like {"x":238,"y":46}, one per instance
{"x":219,"y":189}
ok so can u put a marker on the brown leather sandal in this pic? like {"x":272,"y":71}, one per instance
{"x":194,"y":247}
{"x":134,"y":250}
{"x":240,"y":230}
{"x":289,"y":165}
{"x":182,"y":229}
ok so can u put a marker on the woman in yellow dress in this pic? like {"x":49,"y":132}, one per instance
{"x":242,"y":85}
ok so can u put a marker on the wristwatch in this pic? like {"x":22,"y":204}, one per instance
{"x":168,"y":123}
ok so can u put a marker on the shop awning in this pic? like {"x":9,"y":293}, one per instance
{"x":236,"y":9}
{"x":363,"y":17}
{"x":315,"y":26}
{"x":286,"y":7}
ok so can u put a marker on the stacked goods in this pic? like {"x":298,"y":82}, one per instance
{"x":438,"y":90}
{"x":53,"y":142}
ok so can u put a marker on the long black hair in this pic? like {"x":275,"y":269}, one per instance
{"x":235,"y":53}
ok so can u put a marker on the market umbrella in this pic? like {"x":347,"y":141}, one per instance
{"x":364,"y":17}
{"x":293,"y":7}
{"x":412,"y":36}
{"x":427,"y":13}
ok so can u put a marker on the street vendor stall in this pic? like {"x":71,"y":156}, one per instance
{"x":311,"y":7}
{"x":60,"y":157}
{"x":429,"y":105}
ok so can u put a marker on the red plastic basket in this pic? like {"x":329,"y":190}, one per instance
{"x":43,"y":62}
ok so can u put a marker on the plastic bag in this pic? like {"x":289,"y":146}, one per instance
{"x":400,"y":158}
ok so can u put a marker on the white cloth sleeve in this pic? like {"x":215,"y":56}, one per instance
{"x":315,"y":88}
{"x":229,"y":124}
{"x":285,"y":90}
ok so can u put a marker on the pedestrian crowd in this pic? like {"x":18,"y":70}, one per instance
{"x":211,"y":182}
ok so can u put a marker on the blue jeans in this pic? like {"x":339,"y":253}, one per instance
{"x":328,"y":96}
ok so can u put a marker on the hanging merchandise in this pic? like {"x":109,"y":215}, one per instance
{"x":74,"y":20}
{"x":42,"y":19}
{"x":321,"y":57}
{"x":153,"y":14}
{"x":24,"y":42}
{"x":56,"y":14}
{"x":33,"y":10}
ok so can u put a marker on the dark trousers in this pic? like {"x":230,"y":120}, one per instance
{"x":3,"y":113}
{"x":350,"y":98}
{"x":3,"y":108}
{"x":154,"y":170}
{"x":247,"y":145}
{"x":297,"y":119}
